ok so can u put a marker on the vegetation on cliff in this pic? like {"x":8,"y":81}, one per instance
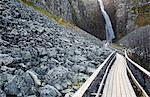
{"x":143,"y":14}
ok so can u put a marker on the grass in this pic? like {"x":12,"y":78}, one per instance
{"x":59,"y":20}
{"x":117,"y":46}
{"x":46,"y":13}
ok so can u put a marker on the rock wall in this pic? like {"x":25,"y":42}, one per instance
{"x":130,"y":15}
{"x":132,"y":20}
{"x":126,"y":15}
{"x":83,"y":13}
{"x":139,"y":41}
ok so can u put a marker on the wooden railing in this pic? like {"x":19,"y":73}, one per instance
{"x":136,"y":65}
{"x":147,"y":73}
{"x":84,"y":88}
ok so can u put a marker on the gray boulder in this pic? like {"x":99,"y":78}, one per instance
{"x":20,"y":85}
{"x":5,"y":77}
{"x":49,"y":91}
{"x":52,"y":52}
{"x":57,"y":75}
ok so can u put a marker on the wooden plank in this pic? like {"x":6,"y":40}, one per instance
{"x":88,"y":82}
{"x":118,"y":87}
{"x":119,"y":84}
{"x":104,"y":77}
{"x":109,"y":81}
{"x":121,"y":77}
{"x":128,"y":82}
{"x":127,"y":85}
{"x":113,"y":86}
{"x":123,"y":83}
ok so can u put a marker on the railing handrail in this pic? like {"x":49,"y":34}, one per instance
{"x":137,"y":65}
{"x":89,"y":81}
{"x":104,"y":77}
{"x":136,"y":82}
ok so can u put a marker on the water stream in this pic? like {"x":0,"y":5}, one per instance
{"x":108,"y":26}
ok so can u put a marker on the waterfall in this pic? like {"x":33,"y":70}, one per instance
{"x":108,"y":26}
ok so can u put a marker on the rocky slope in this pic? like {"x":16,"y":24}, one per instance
{"x":139,"y":42}
{"x":40,"y":58}
{"x":85,"y":14}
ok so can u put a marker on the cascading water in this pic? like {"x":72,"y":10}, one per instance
{"x":108,"y":26}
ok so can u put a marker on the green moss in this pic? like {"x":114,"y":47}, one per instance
{"x":143,"y":14}
{"x":48,"y":14}
{"x":51,"y":16}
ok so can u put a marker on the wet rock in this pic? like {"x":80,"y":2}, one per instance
{"x":49,"y":91}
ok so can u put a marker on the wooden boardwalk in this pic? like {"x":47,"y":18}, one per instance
{"x":111,"y":79}
{"x":117,"y":83}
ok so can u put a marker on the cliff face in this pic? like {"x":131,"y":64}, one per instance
{"x":83,"y":13}
{"x":130,"y":15}
{"x":126,"y":15}
{"x":132,"y":21}
{"x":139,"y":41}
